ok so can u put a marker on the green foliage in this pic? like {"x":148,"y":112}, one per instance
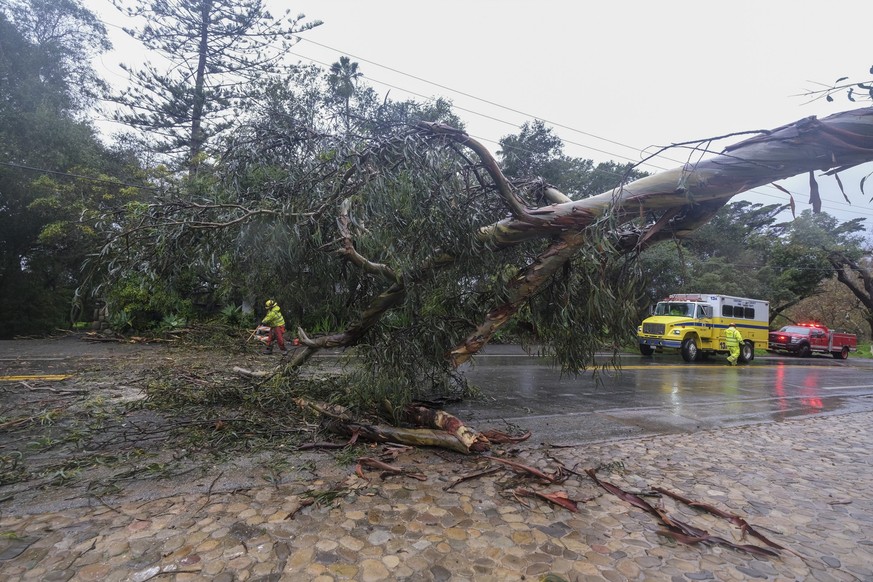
{"x":172,"y":322}
{"x":232,"y":315}
{"x":120,"y":321}
{"x":70,"y":36}
{"x":537,"y":153}
{"x":139,"y":304}
{"x":591,"y":306}
{"x":47,"y":218}
{"x":865,"y":350}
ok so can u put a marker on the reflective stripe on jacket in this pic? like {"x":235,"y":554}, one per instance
{"x":274,"y":317}
{"x":732,"y":336}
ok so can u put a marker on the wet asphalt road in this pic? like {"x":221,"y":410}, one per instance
{"x":651,"y":395}
{"x":657,"y":395}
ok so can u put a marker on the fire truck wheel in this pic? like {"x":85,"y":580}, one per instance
{"x":804,"y":351}
{"x":843,"y":354}
{"x":689,"y":350}
{"x":646,"y":350}
{"x":747,"y":352}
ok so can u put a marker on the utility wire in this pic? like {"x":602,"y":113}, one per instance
{"x":777,"y":197}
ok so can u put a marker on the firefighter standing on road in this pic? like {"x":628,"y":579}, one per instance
{"x":733,"y":338}
{"x":276,"y":323}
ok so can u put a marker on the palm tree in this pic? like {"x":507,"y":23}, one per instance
{"x":343,"y":81}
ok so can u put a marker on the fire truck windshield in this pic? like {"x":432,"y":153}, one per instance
{"x":798,"y":329}
{"x":675,"y":309}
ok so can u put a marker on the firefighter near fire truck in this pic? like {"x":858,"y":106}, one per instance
{"x":733,"y":338}
{"x":696,"y":325}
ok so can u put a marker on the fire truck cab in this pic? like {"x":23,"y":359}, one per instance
{"x":694,"y":324}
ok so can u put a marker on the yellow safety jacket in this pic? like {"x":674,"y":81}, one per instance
{"x":274,"y":317}
{"x":733,"y":337}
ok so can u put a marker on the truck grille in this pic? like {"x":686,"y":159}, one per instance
{"x":654,"y":328}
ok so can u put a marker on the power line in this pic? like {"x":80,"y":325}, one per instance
{"x":846,"y":207}
{"x":554,"y":123}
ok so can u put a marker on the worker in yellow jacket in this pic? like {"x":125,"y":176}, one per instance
{"x":734,"y":339}
{"x":276,"y":323}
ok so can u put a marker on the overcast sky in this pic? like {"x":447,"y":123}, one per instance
{"x":615,"y":78}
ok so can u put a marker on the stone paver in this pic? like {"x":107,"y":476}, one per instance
{"x":804,"y":484}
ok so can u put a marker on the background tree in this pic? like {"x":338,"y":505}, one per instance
{"x":728,"y":254}
{"x":856,"y":273}
{"x":537,"y":154}
{"x":744,"y":251}
{"x":211,"y":54}
{"x":835,"y":306}
{"x":800,"y":259}
{"x":68,"y":36}
{"x":343,"y":83}
{"x":47,"y":214}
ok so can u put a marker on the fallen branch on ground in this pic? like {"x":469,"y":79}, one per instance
{"x":475,"y":475}
{"x":676,"y":529}
{"x":249,"y":373}
{"x":496,"y":436}
{"x":745,"y":526}
{"x":386,"y":469}
{"x":455,"y":436}
{"x":430,"y":417}
{"x":419,"y":437}
{"x":556,"y":477}
{"x":558,"y":498}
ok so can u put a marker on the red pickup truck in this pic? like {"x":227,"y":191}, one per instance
{"x":805,"y":339}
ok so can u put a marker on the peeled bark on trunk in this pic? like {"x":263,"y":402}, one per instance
{"x":440,"y":419}
{"x":417,"y":437}
{"x":448,"y":432}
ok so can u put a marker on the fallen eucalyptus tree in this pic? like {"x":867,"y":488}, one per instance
{"x":416,"y":249}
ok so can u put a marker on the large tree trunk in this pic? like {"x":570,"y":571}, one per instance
{"x":685,"y":197}
{"x":836,"y":142}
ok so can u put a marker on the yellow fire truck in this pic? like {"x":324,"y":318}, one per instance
{"x":694,"y":324}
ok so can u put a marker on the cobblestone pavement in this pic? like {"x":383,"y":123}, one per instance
{"x":804,"y":484}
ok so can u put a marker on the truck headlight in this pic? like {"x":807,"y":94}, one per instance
{"x":676,"y":331}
